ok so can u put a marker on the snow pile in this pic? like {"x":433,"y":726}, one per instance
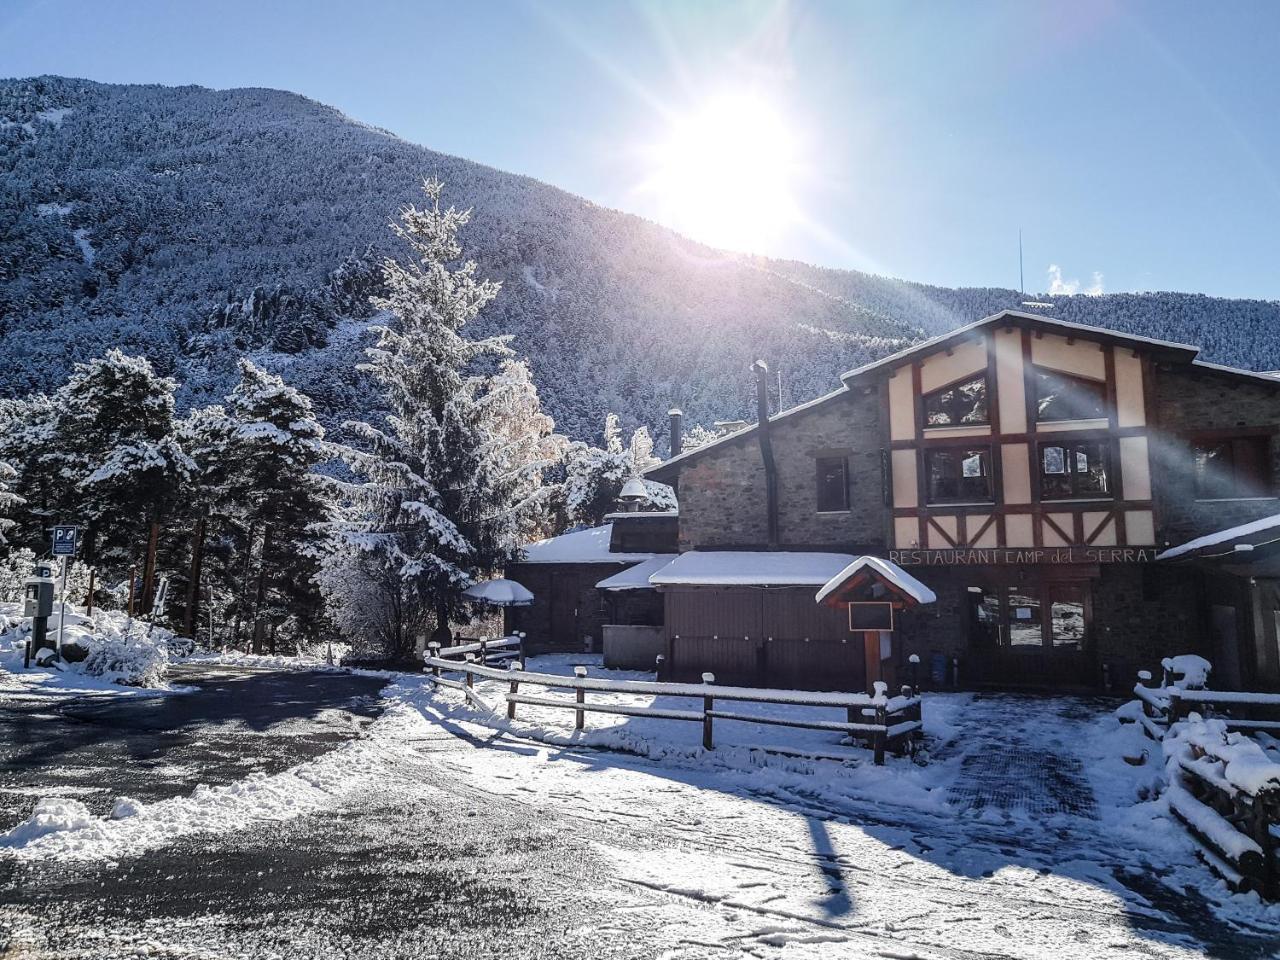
{"x":117,"y":650}
{"x":1224,"y":755}
{"x":1187,"y":671}
{"x":64,"y":829}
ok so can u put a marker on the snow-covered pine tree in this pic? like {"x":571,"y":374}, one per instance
{"x":595,"y":476}
{"x":9,"y":501}
{"x":27,"y":431}
{"x":114,"y":456}
{"x":524,"y":446}
{"x":436,"y":506}
{"x":274,"y":444}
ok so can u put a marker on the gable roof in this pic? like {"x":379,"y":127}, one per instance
{"x":1166,"y":349}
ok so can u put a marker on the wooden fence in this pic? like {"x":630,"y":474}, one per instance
{"x":1223,"y":788}
{"x":884,"y":723}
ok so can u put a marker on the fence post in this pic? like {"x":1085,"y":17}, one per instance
{"x":877,"y":742}
{"x":579,"y":718}
{"x":914,"y":660}
{"x":515,"y":669}
{"x":433,"y":653}
{"x":1175,"y":706}
{"x":484,"y":651}
{"x":521,"y":635}
{"x":660,"y":662}
{"x":471,"y":679}
{"x":708,"y":704}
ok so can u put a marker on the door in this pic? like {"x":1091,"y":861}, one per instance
{"x":1031,"y":634}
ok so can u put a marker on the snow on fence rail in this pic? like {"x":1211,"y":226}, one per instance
{"x":1222,"y":785}
{"x":885,"y":722}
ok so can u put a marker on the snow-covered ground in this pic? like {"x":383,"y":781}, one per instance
{"x":124,"y":658}
{"x":1025,"y":834}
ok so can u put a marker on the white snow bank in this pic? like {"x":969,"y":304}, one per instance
{"x":64,"y":829}
{"x":887,"y":569}
{"x":120,"y":651}
{"x":752,"y":568}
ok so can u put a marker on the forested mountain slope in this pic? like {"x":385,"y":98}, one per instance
{"x":195,"y":225}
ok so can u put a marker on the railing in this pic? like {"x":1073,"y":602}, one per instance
{"x":486,"y":650}
{"x":883,"y":722}
{"x":1238,"y":709}
{"x":1222,"y":786}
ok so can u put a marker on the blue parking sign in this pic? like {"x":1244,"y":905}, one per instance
{"x":64,"y":541}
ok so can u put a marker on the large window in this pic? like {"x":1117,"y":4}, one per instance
{"x":958,"y":475}
{"x":958,"y":405}
{"x":1233,"y":468}
{"x":1073,"y":470}
{"x":833,"y":484}
{"x":1061,"y":396}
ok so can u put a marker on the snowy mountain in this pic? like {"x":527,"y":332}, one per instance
{"x":196,"y":226}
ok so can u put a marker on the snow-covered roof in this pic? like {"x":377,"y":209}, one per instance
{"x":887,"y":569}
{"x":1222,"y":536}
{"x":581,"y":546}
{"x":751,"y":568}
{"x":637,"y":577}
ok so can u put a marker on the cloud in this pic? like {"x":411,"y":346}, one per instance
{"x":1058,"y":287}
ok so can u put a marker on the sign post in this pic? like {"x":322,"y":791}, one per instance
{"x":65,"y":542}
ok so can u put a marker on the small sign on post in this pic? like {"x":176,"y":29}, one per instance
{"x":65,"y":542}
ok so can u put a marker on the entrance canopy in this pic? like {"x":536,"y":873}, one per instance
{"x":635,"y":578}
{"x":1255,"y":545}
{"x":877,"y":578}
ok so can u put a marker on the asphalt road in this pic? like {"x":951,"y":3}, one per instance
{"x":416,"y":867}
{"x":452,"y":846}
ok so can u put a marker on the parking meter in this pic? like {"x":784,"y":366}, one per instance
{"x":38,"y":605}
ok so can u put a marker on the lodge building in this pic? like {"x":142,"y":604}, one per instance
{"x":1080,"y":502}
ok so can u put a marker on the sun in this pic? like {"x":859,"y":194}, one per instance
{"x":725,"y":173}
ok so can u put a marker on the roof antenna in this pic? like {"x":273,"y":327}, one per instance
{"x":1022,"y":286}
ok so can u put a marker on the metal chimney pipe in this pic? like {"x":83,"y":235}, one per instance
{"x":677,"y":430}
{"x":761,"y":371}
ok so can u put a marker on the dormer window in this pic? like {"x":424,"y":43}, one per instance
{"x":961,"y":404}
{"x":1064,"y":396}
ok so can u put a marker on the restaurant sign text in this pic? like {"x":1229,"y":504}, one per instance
{"x":973,"y":556}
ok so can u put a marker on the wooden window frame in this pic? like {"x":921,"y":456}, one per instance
{"x":959,"y":382}
{"x":1069,"y":444}
{"x":1074,"y":378}
{"x":960,"y":450}
{"x":1267,"y":482}
{"x":843,"y":459}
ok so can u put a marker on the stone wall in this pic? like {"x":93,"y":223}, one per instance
{"x":722,"y":494}
{"x":1188,"y":402}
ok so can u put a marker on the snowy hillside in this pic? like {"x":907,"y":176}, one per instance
{"x":196,"y":225}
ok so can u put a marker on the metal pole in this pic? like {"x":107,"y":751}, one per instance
{"x":62,"y":620}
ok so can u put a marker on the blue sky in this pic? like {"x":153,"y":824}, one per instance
{"x":1136,"y":141}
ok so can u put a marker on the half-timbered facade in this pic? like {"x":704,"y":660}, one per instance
{"x":1030,"y":472}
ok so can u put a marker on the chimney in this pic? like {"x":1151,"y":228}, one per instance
{"x":766,"y":451}
{"x":677,"y":430}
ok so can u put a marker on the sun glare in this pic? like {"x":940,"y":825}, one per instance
{"x":725,"y":173}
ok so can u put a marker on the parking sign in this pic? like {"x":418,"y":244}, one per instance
{"x":64,"y":541}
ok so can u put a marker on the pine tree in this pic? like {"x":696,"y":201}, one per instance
{"x":274,"y":446}
{"x":114,"y":456}
{"x":436,"y":507}
{"x":9,"y":501}
{"x":595,"y":476}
